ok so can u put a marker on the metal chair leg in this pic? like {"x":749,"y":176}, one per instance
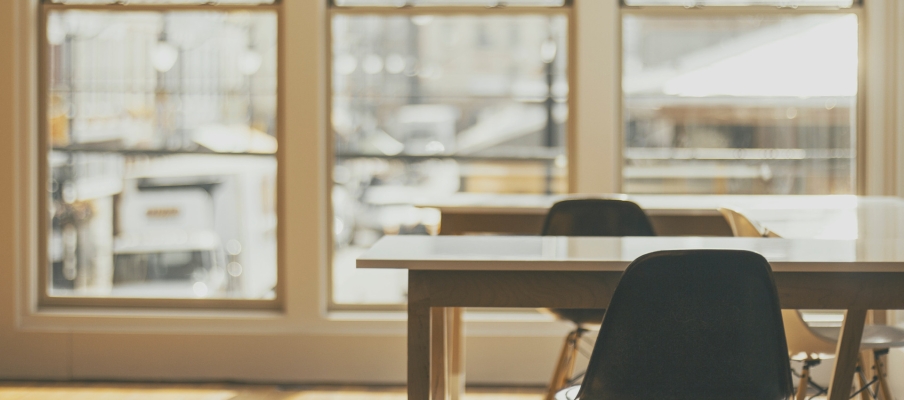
{"x":881,"y":372}
{"x":864,"y":391}
{"x":804,"y":380}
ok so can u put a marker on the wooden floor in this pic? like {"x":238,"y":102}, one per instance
{"x":130,"y":391}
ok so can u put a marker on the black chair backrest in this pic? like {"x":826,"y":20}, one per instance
{"x":597,"y":217}
{"x":692,"y":324}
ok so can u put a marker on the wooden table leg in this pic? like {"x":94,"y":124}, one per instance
{"x":454,"y":224}
{"x":456,"y":351}
{"x":439,"y":366}
{"x":418,"y":338}
{"x":846,"y":354}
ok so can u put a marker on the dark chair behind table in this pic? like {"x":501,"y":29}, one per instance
{"x":588,"y":217}
{"x":690,"y":324}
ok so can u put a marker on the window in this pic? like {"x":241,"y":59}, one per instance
{"x":431,"y":103}
{"x":161,"y":143}
{"x":739,"y":101}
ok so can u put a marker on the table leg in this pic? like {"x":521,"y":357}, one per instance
{"x":418,"y":341}
{"x":456,"y":351}
{"x":846,"y":354}
{"x":439,"y":366}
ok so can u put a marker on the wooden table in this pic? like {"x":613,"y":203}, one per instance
{"x":817,"y":216}
{"x":800,"y":216}
{"x":523,"y":271}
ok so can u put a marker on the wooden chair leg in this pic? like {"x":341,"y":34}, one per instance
{"x":569,"y":371}
{"x":864,"y":394}
{"x":455,"y":343}
{"x":804,"y":381}
{"x":881,"y":372}
{"x":561,"y":375}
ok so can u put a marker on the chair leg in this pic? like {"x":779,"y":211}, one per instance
{"x":569,"y":372}
{"x":866,"y":393}
{"x":864,"y":386}
{"x":881,"y":372}
{"x":565,"y":364}
{"x":804,"y":381}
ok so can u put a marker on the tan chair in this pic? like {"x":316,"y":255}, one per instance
{"x":810,"y":345}
{"x":807,"y":347}
{"x":741,"y":226}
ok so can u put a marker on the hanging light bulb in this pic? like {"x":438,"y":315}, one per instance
{"x":56,"y":32}
{"x":164,"y":56}
{"x":345,"y":64}
{"x":548,"y":51}
{"x":250,"y":62}
{"x":372,"y":64}
{"x":395,"y":64}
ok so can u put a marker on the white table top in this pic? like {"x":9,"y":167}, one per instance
{"x":557,"y":253}
{"x":805,"y":216}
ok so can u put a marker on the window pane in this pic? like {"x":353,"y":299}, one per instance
{"x":777,"y":3}
{"x":162,"y":169}
{"x":484,"y":3}
{"x":428,"y":106}
{"x":749,"y":104}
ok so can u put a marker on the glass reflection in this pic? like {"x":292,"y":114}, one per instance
{"x":430,"y":105}
{"x":162,"y":136}
{"x":740,"y":105}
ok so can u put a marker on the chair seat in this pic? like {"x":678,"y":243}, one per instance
{"x":580,"y":316}
{"x":874,"y":336}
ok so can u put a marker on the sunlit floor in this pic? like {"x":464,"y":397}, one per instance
{"x":144,"y":391}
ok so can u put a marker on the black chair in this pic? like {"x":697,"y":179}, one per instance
{"x":597,"y":217}
{"x":691,"y":324}
{"x":588,"y":217}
